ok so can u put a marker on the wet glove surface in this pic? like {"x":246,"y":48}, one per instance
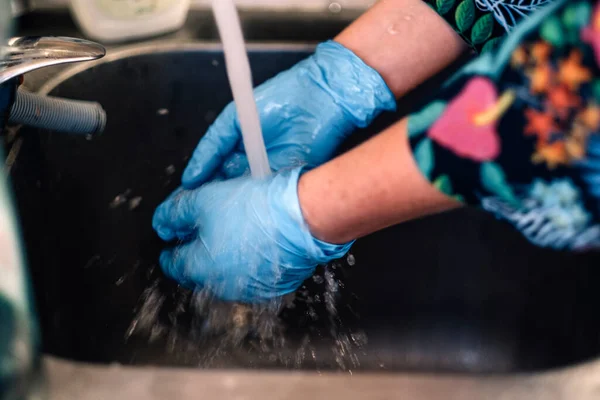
{"x":243,"y":239}
{"x":306,"y":112}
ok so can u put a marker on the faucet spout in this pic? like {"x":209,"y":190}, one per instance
{"x":25,"y":54}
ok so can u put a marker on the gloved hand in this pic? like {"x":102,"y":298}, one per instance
{"x":305,"y":112}
{"x":246,"y":238}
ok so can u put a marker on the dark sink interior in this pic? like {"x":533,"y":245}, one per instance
{"x":456,"y":292}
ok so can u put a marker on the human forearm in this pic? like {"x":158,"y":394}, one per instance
{"x":378,"y":184}
{"x":405,"y":41}
{"x":374,"y":186}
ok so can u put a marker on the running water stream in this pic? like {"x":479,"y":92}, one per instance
{"x":240,"y":80}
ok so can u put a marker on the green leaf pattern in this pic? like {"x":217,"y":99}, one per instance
{"x":465,"y":15}
{"x":577,"y":15}
{"x":596,"y":90}
{"x":420,"y":121}
{"x":424,"y":157}
{"x":491,"y":45}
{"x":444,"y":6}
{"x":482,"y":23}
{"x":494,"y":181}
{"x":443,"y":184}
{"x":552,"y":32}
{"x":482,"y":30}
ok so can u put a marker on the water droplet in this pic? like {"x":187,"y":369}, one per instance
{"x":351,"y":260}
{"x":408,"y":17}
{"x":335,"y":8}
{"x":170,"y":170}
{"x":360,"y":338}
{"x":162,"y":111}
{"x":393,"y":29}
{"x":117,"y":201}
{"x":120,"y":199}
{"x":135,"y":203}
{"x":215,"y":63}
{"x":92,"y":261}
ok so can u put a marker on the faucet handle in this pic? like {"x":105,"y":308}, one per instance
{"x":28,"y":53}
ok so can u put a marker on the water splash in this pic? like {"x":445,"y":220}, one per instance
{"x":303,"y":330}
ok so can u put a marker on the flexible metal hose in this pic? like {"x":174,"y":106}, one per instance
{"x":62,"y":115}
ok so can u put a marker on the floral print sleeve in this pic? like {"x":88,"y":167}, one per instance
{"x":482,"y":23}
{"x":517,"y":131}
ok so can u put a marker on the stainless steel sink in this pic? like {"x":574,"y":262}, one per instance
{"x":459,"y":292}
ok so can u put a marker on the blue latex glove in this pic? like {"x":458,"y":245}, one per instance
{"x":247,"y":238}
{"x":305,"y":112}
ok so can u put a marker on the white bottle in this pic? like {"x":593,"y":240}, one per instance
{"x":122,"y":20}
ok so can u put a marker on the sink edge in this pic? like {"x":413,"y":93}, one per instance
{"x":69,"y":380}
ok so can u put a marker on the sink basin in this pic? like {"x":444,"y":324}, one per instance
{"x":458,"y":292}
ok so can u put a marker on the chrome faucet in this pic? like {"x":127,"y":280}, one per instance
{"x":25,"y":54}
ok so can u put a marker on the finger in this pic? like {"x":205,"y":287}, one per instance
{"x":168,"y":224}
{"x":218,"y":177}
{"x":290,"y":156}
{"x":286,"y":156}
{"x":176,"y":217}
{"x":184,"y":264}
{"x":163,"y":232}
{"x":236,"y":165}
{"x":191,"y":265}
{"x":218,"y":143}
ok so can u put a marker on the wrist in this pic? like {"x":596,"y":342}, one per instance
{"x":355,"y":87}
{"x":323,"y":223}
{"x":405,"y":41}
{"x":292,"y":224}
{"x":310,"y":210}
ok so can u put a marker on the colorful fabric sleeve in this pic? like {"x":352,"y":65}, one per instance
{"x":517,"y":131}
{"x":483,"y":23}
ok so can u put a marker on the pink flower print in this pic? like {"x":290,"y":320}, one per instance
{"x":468,"y":125}
{"x":591,"y":33}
